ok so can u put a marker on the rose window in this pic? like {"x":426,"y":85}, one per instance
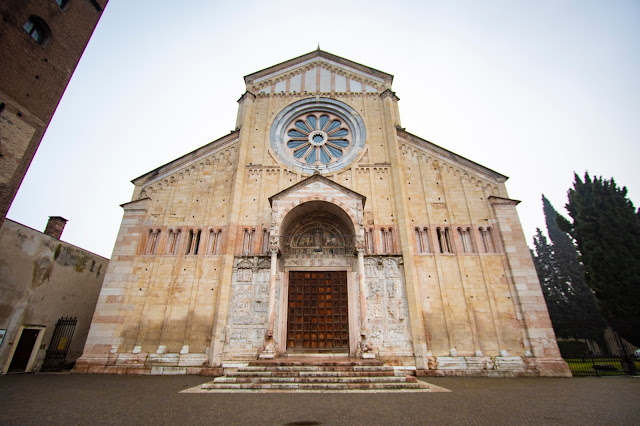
{"x":318,"y":138}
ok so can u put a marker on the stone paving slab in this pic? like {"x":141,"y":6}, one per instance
{"x":140,"y":400}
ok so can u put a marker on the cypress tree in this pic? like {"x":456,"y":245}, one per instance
{"x":554,"y":287}
{"x":606,"y":228}
{"x":583,"y":307}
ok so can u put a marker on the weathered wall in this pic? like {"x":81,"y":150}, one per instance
{"x":41,"y":280}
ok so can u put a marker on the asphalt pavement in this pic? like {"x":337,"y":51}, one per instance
{"x":72,"y":399}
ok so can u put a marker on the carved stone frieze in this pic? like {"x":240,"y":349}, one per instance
{"x":387,"y":304}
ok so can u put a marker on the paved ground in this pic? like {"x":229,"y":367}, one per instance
{"x":96,"y":399}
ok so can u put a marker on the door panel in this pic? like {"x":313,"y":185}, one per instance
{"x":318,"y":311}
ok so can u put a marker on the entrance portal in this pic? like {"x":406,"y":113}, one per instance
{"x":318,"y":319}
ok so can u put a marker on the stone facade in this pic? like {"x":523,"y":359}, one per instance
{"x":43,"y":279}
{"x":320,"y":177}
{"x":42,"y":43}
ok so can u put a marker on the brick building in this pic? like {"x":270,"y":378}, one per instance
{"x":41,"y":42}
{"x":320,"y":225}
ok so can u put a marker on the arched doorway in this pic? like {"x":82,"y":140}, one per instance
{"x":317,"y":242}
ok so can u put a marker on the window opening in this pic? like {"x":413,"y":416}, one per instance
{"x":176,"y":242}
{"x":196,"y":244}
{"x":439,"y":234}
{"x":447,"y":239}
{"x":216,"y":249}
{"x":37,"y":29}
{"x":265,"y":241}
{"x":425,"y":237}
{"x":189,"y":242}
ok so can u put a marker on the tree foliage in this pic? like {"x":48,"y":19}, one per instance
{"x":606,"y":228}
{"x":570,"y":301}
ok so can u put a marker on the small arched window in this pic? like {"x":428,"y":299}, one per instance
{"x":62,"y":3}
{"x":37,"y":29}
{"x":216,"y":248}
{"x":426,"y":240}
{"x":265,"y":241}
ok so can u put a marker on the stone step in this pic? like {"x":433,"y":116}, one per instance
{"x":294,"y":373}
{"x":284,"y":376}
{"x":390,"y":379}
{"x":316,"y":368}
{"x":314,"y":386}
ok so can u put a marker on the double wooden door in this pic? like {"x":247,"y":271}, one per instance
{"x":318,"y":318}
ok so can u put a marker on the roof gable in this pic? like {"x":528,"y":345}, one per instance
{"x":318,"y":71}
{"x":316,"y":184}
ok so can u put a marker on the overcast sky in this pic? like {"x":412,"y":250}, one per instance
{"x":532,"y":89}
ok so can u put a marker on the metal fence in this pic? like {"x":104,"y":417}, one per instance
{"x":59,"y":346}
{"x":597,"y":349}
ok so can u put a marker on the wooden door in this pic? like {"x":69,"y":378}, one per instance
{"x":318,"y":318}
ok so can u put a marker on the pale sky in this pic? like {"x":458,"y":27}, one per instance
{"x":534,"y":90}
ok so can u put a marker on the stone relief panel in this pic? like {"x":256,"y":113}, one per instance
{"x":388,"y":313}
{"x":248,"y":304}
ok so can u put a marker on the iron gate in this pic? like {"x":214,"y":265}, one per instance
{"x":59,"y":346}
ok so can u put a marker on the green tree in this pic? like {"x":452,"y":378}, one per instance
{"x":582,"y":305}
{"x":554,"y":288}
{"x":606,"y":228}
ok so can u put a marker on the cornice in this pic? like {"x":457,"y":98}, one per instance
{"x":172,"y":166}
{"x":250,"y":78}
{"x":445,"y":154}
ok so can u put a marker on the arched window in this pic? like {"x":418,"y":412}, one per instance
{"x":390,"y":245}
{"x":369,"y":241}
{"x":37,"y":29}
{"x":426,"y":240}
{"x":465,"y":239}
{"x":147,"y":249}
{"x":447,"y":240}
{"x":211,"y":242}
{"x":419,"y":245}
{"x":216,"y":246}
{"x":490,"y":241}
{"x":265,"y":241}
{"x":486,"y":236}
{"x":383,"y":242}
{"x":440,"y":239}
{"x":62,"y":3}
{"x":176,"y":242}
{"x":196,"y":243}
{"x":189,"y":242}
{"x":170,"y":241}
{"x":152,"y":241}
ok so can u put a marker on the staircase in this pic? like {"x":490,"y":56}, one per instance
{"x":309,"y":375}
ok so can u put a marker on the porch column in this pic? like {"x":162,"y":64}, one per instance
{"x":365,"y":344}
{"x":269,"y":349}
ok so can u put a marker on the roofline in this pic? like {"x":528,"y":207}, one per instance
{"x":318,"y":176}
{"x":181,"y":160}
{"x":56,"y":239}
{"x":249,"y":78}
{"x":452,"y":155}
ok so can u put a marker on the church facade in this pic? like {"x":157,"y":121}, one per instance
{"x":321,"y":226}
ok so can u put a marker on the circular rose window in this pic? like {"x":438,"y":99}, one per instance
{"x":317,"y":134}
{"x":318,"y":138}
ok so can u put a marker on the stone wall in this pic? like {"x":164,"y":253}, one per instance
{"x":41,"y":280}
